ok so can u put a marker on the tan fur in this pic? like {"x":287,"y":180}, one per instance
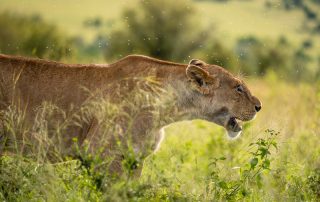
{"x":214,"y":99}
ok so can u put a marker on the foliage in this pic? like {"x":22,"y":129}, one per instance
{"x":167,"y":33}
{"x":214,"y":52}
{"x":250,"y":174}
{"x":257,"y":57}
{"x":314,"y":182}
{"x":24,"y":179}
{"x":30,"y":35}
{"x":309,"y":9}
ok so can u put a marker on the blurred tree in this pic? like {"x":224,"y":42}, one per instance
{"x":216,"y":53}
{"x":310,"y":10}
{"x":317,"y":28}
{"x":257,"y":58}
{"x":290,"y":4}
{"x":317,"y":74}
{"x":307,"y":44}
{"x":299,"y":66}
{"x":93,"y":22}
{"x":164,"y":29}
{"x":215,"y":0}
{"x":309,"y":13}
{"x":31,"y":36}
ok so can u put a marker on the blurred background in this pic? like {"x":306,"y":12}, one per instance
{"x":274,"y":45}
{"x":250,"y":37}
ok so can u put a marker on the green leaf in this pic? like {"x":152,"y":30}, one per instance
{"x":254,"y":162}
{"x":275,"y":145}
{"x":223,"y":185}
{"x":266,"y":164}
{"x":264,"y":151}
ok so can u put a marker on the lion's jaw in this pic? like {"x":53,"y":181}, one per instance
{"x":216,"y":113}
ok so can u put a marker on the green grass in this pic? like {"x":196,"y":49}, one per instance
{"x":189,"y":165}
{"x":190,"y":147}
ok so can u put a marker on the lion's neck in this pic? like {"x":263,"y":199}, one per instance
{"x":142,"y":66}
{"x":172,"y":77}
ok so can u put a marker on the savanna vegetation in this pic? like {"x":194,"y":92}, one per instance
{"x":274,"y":46}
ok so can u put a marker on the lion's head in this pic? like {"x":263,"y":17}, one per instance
{"x":216,"y":95}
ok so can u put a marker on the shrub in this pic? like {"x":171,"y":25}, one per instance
{"x":31,"y":36}
{"x":214,"y":52}
{"x":314,"y":182}
{"x":251,"y":173}
{"x":257,"y":57}
{"x":163,"y":29}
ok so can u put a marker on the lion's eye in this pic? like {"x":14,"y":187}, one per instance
{"x":240,"y":89}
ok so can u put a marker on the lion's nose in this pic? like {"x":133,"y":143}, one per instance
{"x":257,"y":103}
{"x":257,"y":107}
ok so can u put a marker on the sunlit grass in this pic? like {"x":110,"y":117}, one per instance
{"x":191,"y":146}
{"x":195,"y":162}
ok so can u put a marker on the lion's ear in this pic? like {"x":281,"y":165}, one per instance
{"x":197,"y":62}
{"x":200,"y":77}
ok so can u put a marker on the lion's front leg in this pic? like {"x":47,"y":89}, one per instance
{"x":159,"y":137}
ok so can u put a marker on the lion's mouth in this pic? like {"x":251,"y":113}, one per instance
{"x":233,"y":127}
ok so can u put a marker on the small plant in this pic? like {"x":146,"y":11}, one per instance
{"x":250,"y":173}
{"x":313,"y":182}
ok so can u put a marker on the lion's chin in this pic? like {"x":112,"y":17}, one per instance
{"x":233,"y":135}
{"x":234,"y":128}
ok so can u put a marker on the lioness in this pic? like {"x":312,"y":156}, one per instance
{"x":203,"y":91}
